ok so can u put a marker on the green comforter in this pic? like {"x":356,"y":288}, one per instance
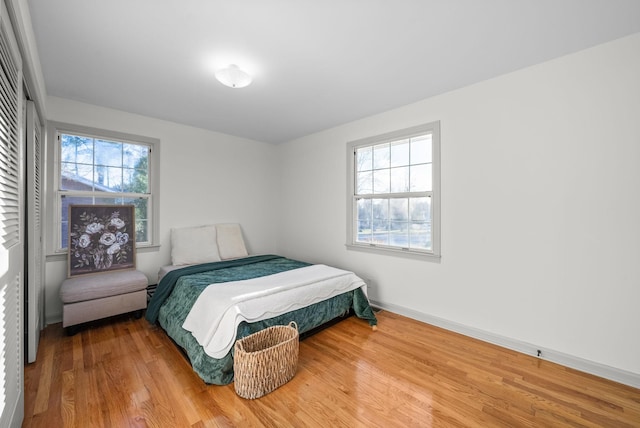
{"x":178,"y":290}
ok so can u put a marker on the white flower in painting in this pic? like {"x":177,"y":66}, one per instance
{"x":113,"y":249}
{"x":107,"y":238}
{"x":117,"y":222}
{"x":94,"y":228}
{"x":122,"y":238}
{"x":84,"y":241}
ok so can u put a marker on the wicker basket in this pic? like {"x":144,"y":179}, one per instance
{"x":265,"y":360}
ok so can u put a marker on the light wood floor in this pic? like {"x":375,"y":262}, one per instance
{"x":127,"y":373}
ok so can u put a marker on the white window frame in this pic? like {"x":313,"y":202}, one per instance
{"x":434,"y":254}
{"x":54,"y":130}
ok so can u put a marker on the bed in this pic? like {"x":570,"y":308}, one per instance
{"x":184,"y":289}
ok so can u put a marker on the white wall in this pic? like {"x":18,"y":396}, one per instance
{"x":205,"y":178}
{"x":540,"y":207}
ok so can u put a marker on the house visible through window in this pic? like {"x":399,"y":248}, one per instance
{"x":97,"y":170}
{"x":394,"y":192}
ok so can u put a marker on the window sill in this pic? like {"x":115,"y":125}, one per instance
{"x":393,"y":252}
{"x":62,"y":255}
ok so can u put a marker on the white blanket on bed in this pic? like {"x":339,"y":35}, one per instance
{"x":220,"y":308}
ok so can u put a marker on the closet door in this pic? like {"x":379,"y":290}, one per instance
{"x":11,"y":230}
{"x":34,"y":260}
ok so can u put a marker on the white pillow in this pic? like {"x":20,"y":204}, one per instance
{"x":191,"y":245}
{"x":230,"y":242}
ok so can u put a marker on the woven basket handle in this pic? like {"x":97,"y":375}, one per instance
{"x":293,"y":324}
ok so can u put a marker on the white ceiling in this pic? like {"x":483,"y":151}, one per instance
{"x":316,"y":63}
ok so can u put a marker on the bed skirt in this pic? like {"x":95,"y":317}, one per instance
{"x":220,"y":371}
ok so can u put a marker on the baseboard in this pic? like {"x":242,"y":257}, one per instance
{"x":577,"y":363}
{"x":53,"y":319}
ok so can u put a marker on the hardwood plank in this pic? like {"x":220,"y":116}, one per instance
{"x":124,"y":372}
{"x":68,"y":398}
{"x":44,"y":385}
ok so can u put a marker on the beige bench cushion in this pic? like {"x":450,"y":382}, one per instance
{"x":96,"y":286}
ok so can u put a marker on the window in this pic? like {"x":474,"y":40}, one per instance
{"x":104,"y":168}
{"x":394,"y":192}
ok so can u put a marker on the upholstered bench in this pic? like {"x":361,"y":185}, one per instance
{"x":95,"y":296}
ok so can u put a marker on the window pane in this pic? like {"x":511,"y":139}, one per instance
{"x":142,"y":207}
{"x":364,"y":233}
{"x":399,"y":209}
{"x":398,"y":225}
{"x":364,"y":220}
{"x":420,"y":236}
{"x":420,"y":209}
{"x":364,"y":159}
{"x":421,"y":149}
{"x":364,"y":210}
{"x":127,"y":179}
{"x":135,"y":156}
{"x":108,"y":179}
{"x":76,"y":149}
{"x":135,"y":181}
{"x":142,"y":231}
{"x":421,"y":178}
{"x":108,"y":153}
{"x":75,"y":176}
{"x":380,"y":237}
{"x":380,"y":211}
{"x":399,"y":234}
{"x":64,"y":214}
{"x":400,"y":153}
{"x":364,"y":186}
{"x":381,"y":156}
{"x":142,"y":218}
{"x":400,"y":179}
{"x":381,"y":181}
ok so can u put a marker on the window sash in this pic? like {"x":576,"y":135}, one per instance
{"x":95,"y":164}
{"x":405,"y":240}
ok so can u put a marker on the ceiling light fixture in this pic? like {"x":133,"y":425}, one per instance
{"x":233,"y":77}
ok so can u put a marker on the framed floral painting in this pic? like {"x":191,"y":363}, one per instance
{"x":101,"y":238}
